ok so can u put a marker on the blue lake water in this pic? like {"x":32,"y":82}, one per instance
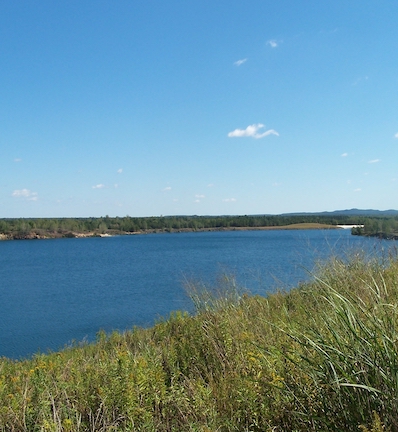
{"x":53,"y":292}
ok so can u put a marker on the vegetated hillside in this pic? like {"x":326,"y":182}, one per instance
{"x":72,"y":227}
{"x":322,"y":357}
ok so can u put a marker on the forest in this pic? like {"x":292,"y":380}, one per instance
{"x":31,"y":228}
{"x":20,"y":228}
{"x":382,"y":227}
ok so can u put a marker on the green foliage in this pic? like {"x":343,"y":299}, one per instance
{"x":383,"y":227}
{"x":377,"y":425}
{"x":70,"y":227}
{"x":322,"y":357}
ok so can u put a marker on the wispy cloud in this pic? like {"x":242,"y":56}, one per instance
{"x":374,"y":161}
{"x":336,"y":29}
{"x":344,"y":155}
{"x":120,"y":170}
{"x":357,"y":190}
{"x":396,"y":135}
{"x":229,"y":200}
{"x":26,"y":194}
{"x":252,"y":131}
{"x":17,"y":160}
{"x":198,"y":196}
{"x":360,"y":80}
{"x":99,"y":186}
{"x":166,"y":189}
{"x":273,"y":43}
{"x":240,"y":62}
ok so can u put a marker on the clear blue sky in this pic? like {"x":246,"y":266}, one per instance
{"x":202,"y":107}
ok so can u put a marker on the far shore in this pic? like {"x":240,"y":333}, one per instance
{"x":33,"y":235}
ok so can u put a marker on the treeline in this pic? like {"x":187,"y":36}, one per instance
{"x":383,"y":227}
{"x":24,"y":227}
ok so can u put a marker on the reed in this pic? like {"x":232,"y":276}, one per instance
{"x":321,"y":357}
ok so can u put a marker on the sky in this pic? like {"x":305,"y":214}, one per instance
{"x":197,"y":107}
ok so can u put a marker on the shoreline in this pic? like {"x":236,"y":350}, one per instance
{"x":34,"y":235}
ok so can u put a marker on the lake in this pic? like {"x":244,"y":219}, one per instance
{"x":57,"y":291}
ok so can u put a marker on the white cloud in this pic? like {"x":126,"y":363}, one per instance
{"x":120,"y":170}
{"x":17,"y":160}
{"x":99,"y":186}
{"x":229,"y":200}
{"x":210,"y":185}
{"x":374,"y":161}
{"x":273,"y":43}
{"x":396,"y":135}
{"x":166,"y":189}
{"x":357,"y":190}
{"x":21,"y":193}
{"x":344,"y":155}
{"x":240,"y":62}
{"x":252,"y":131}
{"x":25,"y":193}
{"x":199,"y":196}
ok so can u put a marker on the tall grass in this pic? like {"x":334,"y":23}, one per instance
{"x":322,"y":357}
{"x":348,"y":349}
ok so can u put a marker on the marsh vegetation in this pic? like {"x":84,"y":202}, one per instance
{"x":321,"y":357}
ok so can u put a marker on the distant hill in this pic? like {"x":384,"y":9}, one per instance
{"x":351,"y":212}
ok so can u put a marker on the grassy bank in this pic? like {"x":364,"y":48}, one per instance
{"x":322,"y":357}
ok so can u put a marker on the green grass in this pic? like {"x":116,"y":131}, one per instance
{"x":322,"y":357}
